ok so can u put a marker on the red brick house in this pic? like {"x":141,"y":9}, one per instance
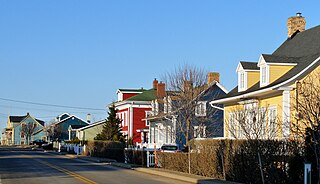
{"x":133,"y":106}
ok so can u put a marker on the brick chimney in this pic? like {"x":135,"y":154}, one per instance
{"x":187,"y":86}
{"x":155,"y":83}
{"x":296,"y":23}
{"x":161,"y":90}
{"x":213,"y":76}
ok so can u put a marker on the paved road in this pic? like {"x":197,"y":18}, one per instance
{"x":22,"y":166}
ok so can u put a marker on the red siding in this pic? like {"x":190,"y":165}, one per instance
{"x":138,"y":123}
{"x":124,"y":128}
{"x":128,"y":95}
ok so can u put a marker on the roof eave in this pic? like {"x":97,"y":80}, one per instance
{"x":275,"y":87}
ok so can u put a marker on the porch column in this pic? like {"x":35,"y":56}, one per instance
{"x":131,"y":122}
{"x":286,"y":114}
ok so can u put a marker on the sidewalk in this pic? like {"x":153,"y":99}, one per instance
{"x":156,"y":171}
{"x":191,"y":178}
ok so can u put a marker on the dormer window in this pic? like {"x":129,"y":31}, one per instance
{"x":242,"y":80}
{"x":264,"y":75}
{"x":242,"y":75}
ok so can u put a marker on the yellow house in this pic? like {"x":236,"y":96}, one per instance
{"x":263,"y":105}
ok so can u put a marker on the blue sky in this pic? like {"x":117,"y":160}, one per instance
{"x":78,"y":53}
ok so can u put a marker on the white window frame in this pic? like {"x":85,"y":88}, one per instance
{"x":262,"y":111}
{"x":156,"y":107}
{"x":272,"y":111}
{"x":232,"y":123}
{"x":199,"y":131}
{"x":264,"y":74}
{"x":169,"y":104}
{"x":201,"y":108}
{"x":148,"y":113}
{"x":242,"y":81}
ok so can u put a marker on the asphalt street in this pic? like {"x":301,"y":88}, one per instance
{"x":26,"y":166}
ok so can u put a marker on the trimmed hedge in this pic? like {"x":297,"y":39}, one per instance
{"x":106,"y":149}
{"x":239,"y":160}
{"x":136,"y":156}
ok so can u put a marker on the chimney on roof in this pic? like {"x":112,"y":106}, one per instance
{"x":155,"y":83}
{"x":213,"y":76}
{"x":187,"y":85}
{"x":296,"y":23}
{"x":89,"y":118}
{"x":161,"y":90}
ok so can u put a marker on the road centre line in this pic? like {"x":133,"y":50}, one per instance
{"x":70,"y":173}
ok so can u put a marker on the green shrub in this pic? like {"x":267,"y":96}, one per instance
{"x":106,"y":149}
{"x":239,"y":160}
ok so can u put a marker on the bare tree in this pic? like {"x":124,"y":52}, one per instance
{"x":53,"y":131}
{"x":254,"y":123}
{"x":28,"y":129}
{"x":251,"y":121}
{"x":307,"y":118}
{"x":186,"y":82}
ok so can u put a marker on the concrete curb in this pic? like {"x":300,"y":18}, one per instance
{"x":95,"y":159}
{"x":168,"y":175}
{"x":153,"y":171}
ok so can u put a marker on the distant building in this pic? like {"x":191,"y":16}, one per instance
{"x":89,"y":132}
{"x":207,"y":121}
{"x":13,"y":134}
{"x":133,"y":106}
{"x":62,"y":126}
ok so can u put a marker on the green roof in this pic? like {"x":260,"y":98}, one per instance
{"x":147,"y":95}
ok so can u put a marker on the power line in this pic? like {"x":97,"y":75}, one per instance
{"x":11,"y":107}
{"x":52,"y":105}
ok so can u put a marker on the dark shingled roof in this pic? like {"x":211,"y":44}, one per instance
{"x":16,"y":118}
{"x":302,"y":44}
{"x":279,"y":59}
{"x":302,"y":49}
{"x":20,"y":118}
{"x":77,"y":126}
{"x":249,"y":65}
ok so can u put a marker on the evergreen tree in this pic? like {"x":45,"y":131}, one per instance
{"x":111,"y":129}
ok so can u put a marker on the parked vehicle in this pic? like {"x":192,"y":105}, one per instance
{"x":38,"y":142}
{"x":48,"y":146}
{"x":169,"y":148}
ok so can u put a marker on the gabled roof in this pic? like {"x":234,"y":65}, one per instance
{"x":303,"y":50}
{"x":249,"y":65}
{"x":280,"y":59}
{"x":302,"y":64}
{"x":208,"y":89}
{"x":147,"y":95}
{"x":93,"y":124}
{"x":18,"y":119}
{"x":132,"y":90}
{"x":72,"y":116}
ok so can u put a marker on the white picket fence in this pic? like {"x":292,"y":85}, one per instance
{"x":150,"y":159}
{"x":78,"y":149}
{"x":150,"y":156}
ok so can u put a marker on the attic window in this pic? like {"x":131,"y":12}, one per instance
{"x":242,"y":80}
{"x":264,"y":75}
